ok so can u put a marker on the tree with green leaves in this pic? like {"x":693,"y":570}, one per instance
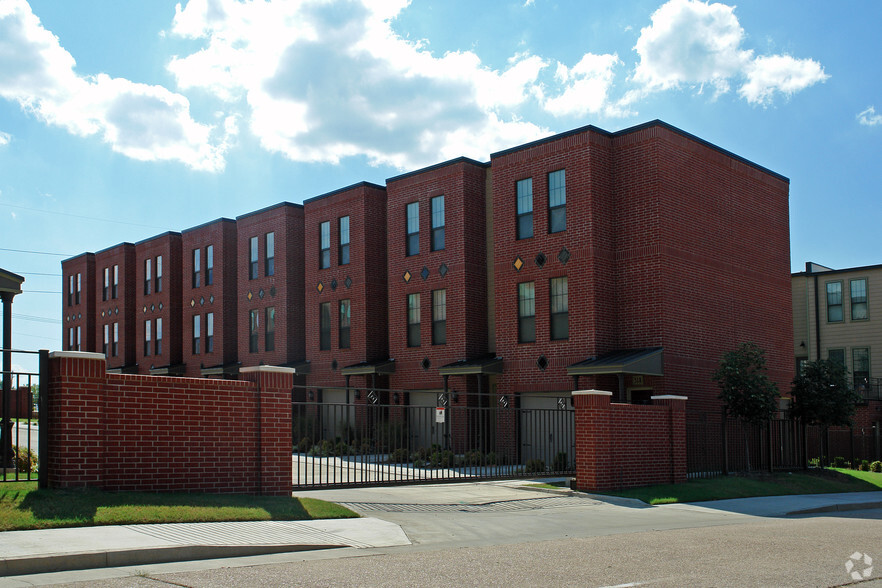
{"x":745,"y":388}
{"x":822,"y":396}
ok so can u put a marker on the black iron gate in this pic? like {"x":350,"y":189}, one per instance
{"x":22,"y":416}
{"x":350,"y":437}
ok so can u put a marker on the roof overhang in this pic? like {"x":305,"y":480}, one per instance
{"x":230,"y":369}
{"x":467,"y":367}
{"x":648,"y":362}
{"x":169,"y":370}
{"x":10,"y":283}
{"x":366,"y":368}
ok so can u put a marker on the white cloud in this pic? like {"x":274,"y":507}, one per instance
{"x":5,"y":138}
{"x":696,"y":44}
{"x":869,"y":117}
{"x":586,"y":86}
{"x":140,"y":121}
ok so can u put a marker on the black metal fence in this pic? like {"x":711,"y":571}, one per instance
{"x":374,"y":437}
{"x":22,"y":417}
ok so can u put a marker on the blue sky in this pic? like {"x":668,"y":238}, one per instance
{"x":120,"y":120}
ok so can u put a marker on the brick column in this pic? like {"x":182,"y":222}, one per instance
{"x":593,"y":439}
{"x":274,"y":385}
{"x":75,"y":419}
{"x":677,"y":406}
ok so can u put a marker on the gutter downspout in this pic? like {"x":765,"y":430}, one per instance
{"x":817,"y":322}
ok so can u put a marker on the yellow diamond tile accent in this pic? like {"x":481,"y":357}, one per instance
{"x":320,"y":287}
{"x":518,"y":263}
{"x":407,"y":276}
{"x":250,"y":296}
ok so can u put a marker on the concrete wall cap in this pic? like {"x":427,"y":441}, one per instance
{"x":267,"y":369}
{"x":668,"y":397}
{"x":76,"y":355}
{"x":591,"y":393}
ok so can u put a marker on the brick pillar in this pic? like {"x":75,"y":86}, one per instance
{"x":75,"y":443}
{"x":677,"y":406}
{"x":593,"y":439}
{"x":274,"y":384}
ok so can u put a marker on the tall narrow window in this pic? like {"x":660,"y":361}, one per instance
{"x":197,"y":267}
{"x":158,"y":343}
{"x":79,"y":338}
{"x":159,"y":273}
{"x":345,"y":322}
{"x":269,"y":333}
{"x":325,"y":245}
{"x":197,"y":334}
{"x":105,"y":347}
{"x":324,"y":326}
{"x":252,"y":269}
{"x":115,"y":291}
{"x":209,"y":265}
{"x":209,"y":332}
{"x":270,"y":262}
{"x":859,"y":300}
{"x":70,"y":291}
{"x":834,"y":302}
{"x":413,"y":320}
{"x":255,"y":326}
{"x":860,"y":367}
{"x":439,"y":317}
{"x":525,"y":208}
{"x":70,"y":339}
{"x":344,"y":240}
{"x":106,"y":287}
{"x":115,"y":349}
{"x":148,"y":347}
{"x":557,"y":201}
{"x":526,"y":312}
{"x":79,"y":287}
{"x":413,"y":228}
{"x":148,"y":275}
{"x":438,"y":223}
{"x":560,"y":315}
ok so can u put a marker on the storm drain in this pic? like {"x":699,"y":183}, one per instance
{"x":500,"y":506}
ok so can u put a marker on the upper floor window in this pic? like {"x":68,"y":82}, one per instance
{"x":148,"y":275}
{"x":437,"y":223}
{"x":560,"y":316}
{"x":439,"y":317}
{"x":860,"y":366}
{"x":557,"y":201}
{"x":148,"y":347}
{"x":269,"y":332}
{"x":79,"y":338}
{"x":413,"y":320}
{"x":115,"y":348}
{"x":859,"y":300}
{"x":197,"y":334}
{"x":834,"y":302}
{"x":325,"y":245}
{"x":115,"y":289}
{"x":413,"y":229}
{"x":105,"y":347}
{"x":70,"y":339}
{"x":79,"y":287}
{"x":158,"y":342}
{"x":270,"y":262}
{"x":70,"y":291}
{"x":159,"y":273}
{"x":325,"y":326}
{"x":525,"y":209}
{"x":105,"y":289}
{"x":255,"y":327}
{"x":526,"y":312}
{"x":344,"y":240}
{"x":252,"y":268}
{"x":209,"y":332}
{"x":209,"y":265}
{"x":197,"y":268}
{"x":345,"y":322}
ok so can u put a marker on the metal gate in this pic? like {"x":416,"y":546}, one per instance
{"x":353,"y":437}
{"x":22,"y":416}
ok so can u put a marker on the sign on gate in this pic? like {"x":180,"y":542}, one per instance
{"x":439,"y":414}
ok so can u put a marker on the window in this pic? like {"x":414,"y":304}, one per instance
{"x":209,"y":332}
{"x":197,"y":334}
{"x":345,"y":322}
{"x":325,"y":245}
{"x":70,"y":291}
{"x":106,"y":288}
{"x":860,"y":366}
{"x":557,"y":201}
{"x":344,"y":240}
{"x":413,"y":229}
{"x":526,"y":312}
{"x":197,"y":265}
{"x":837,"y":355}
{"x":115,"y":350}
{"x":115,"y":291}
{"x":325,"y":326}
{"x":209,"y":265}
{"x":413,"y":320}
{"x":255,"y":325}
{"x":159,"y":274}
{"x":70,"y":339}
{"x":158,"y":342}
{"x":105,"y":347}
{"x":148,"y":274}
{"x":439,"y":317}
{"x":525,"y":208}
{"x":79,"y":287}
{"x":252,"y":270}
{"x":437,"y":223}
{"x":269,"y":334}
{"x":269,"y":266}
{"x":834,"y":302}
{"x":148,"y":347}
{"x":858,"y":299}
{"x":79,"y":338}
{"x":560,"y":321}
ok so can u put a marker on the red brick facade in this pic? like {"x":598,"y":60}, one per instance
{"x":158,"y":305}
{"x":115,"y":306}
{"x":78,"y":303}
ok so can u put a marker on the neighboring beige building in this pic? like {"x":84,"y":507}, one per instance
{"x":837,"y":314}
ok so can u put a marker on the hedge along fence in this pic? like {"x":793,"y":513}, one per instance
{"x":164,"y":434}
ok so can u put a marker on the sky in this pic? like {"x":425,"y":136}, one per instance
{"x":122,"y":120}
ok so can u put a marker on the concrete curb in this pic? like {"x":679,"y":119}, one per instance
{"x":838,"y":508}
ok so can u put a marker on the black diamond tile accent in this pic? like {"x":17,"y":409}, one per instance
{"x":426,"y":363}
{"x":211,"y":298}
{"x":347,"y":282}
{"x":201,"y":301}
{"x":334,"y":284}
{"x":564,"y":255}
{"x":160,"y":306}
{"x":425,"y":273}
{"x":273,"y":291}
{"x":443,"y":270}
{"x":540,"y":259}
{"x":260,"y":294}
{"x":152,"y":307}
{"x":542,"y":362}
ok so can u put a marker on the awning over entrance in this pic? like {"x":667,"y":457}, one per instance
{"x":366,"y":368}
{"x":488,"y":364}
{"x":646,"y":361}
{"x":229,"y":370}
{"x":169,"y":370}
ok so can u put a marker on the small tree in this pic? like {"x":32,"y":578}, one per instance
{"x":745,"y":388}
{"x":821,"y":394}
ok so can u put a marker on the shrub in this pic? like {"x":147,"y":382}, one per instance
{"x":535,"y":466}
{"x":839,"y":462}
{"x":25,"y":460}
{"x":341,"y":449}
{"x":419,"y":463}
{"x":864,"y":466}
{"x":304,"y":445}
{"x":491,"y":458}
{"x":876,"y":466}
{"x":560,"y":463}
{"x":399,"y":455}
{"x":814,"y":462}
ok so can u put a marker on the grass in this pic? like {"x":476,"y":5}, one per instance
{"x":818,"y":482}
{"x":23,"y":506}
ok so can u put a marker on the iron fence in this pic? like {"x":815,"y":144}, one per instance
{"x":22,"y":418}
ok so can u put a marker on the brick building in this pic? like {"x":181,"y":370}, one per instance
{"x":78,"y":303}
{"x":158,"y":305}
{"x":115,"y":299}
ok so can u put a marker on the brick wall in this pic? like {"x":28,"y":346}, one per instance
{"x":79,"y":311}
{"x":163,"y":434}
{"x":164,"y":303}
{"x":118,"y":310}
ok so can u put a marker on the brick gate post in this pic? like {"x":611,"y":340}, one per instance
{"x":274,"y":384}
{"x":593,"y":439}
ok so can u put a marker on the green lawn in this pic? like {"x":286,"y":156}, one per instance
{"x":747,"y":486}
{"x":23,"y":506}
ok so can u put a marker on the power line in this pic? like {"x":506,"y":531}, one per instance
{"x":93,"y":218}
{"x":37,"y":319}
{"x":37,"y":252}
{"x":42,"y":292}
{"x":37,"y":274}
